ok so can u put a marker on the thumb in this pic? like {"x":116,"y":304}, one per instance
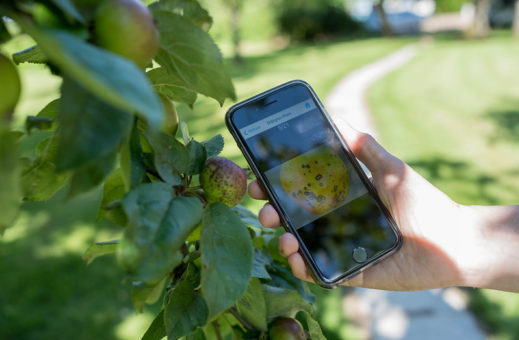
{"x":369,"y":151}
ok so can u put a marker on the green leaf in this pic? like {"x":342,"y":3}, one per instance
{"x":283,"y":277}
{"x":284,"y":302}
{"x":227,"y":256}
{"x":213,"y":146}
{"x":188,"y":53}
{"x":197,"y":157}
{"x":248,"y":217}
{"x":108,"y":76}
{"x":186,"y":309}
{"x":145,"y":207}
{"x":90,"y":128}
{"x":69,"y":9}
{"x":113,"y":190}
{"x":252,"y":305}
{"x":261,"y":260}
{"x":10,"y":190}
{"x":185,"y":132}
{"x":189,"y":9}
{"x":4,"y":33}
{"x":196,"y":335}
{"x":313,"y":327}
{"x":143,"y":293}
{"x":40,"y":180}
{"x":157,"y":329}
{"x":50,"y":110}
{"x":33,"y":54}
{"x":171,"y":86}
{"x":171,"y":158}
{"x":158,"y":225}
{"x":99,"y":249}
{"x":92,"y":174}
{"x":132,"y":160}
{"x":195,"y":234}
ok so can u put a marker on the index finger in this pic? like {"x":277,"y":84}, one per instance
{"x":256,"y":191}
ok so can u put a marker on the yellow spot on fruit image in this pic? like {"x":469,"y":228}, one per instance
{"x":317,"y":181}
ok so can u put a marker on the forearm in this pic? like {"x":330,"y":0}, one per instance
{"x":494,"y":233}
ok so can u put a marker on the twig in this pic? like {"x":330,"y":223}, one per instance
{"x":241,"y":319}
{"x":216,"y":327}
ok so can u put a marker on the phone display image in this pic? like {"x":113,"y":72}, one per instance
{"x":317,"y":180}
{"x":314,"y":183}
{"x":324,"y":199}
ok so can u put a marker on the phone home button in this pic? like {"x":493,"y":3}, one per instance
{"x":360,"y":255}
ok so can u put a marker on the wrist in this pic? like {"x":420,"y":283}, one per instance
{"x":489,"y":241}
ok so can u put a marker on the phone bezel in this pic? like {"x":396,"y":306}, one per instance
{"x":315,"y":272}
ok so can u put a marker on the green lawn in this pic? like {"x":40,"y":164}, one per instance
{"x":47,"y":292}
{"x":453,"y":113}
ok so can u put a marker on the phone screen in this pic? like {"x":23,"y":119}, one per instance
{"x":314,"y":181}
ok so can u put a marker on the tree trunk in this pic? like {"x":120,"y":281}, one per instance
{"x":480,"y":27}
{"x":235,"y":27}
{"x":516,"y":19}
{"x":387,"y":31}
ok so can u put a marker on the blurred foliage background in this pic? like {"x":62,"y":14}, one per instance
{"x":452,"y":112}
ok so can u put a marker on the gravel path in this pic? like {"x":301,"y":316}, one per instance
{"x":380,"y":315}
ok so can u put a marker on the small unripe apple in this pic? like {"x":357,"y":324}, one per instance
{"x":10,"y":87}
{"x":126,"y":27}
{"x":223,"y":181}
{"x":284,"y":328}
{"x":170,"y":115}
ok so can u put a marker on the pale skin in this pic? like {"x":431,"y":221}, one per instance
{"x":444,"y":243}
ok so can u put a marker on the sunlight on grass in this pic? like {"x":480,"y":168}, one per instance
{"x":133,"y":326}
{"x":23,"y":226}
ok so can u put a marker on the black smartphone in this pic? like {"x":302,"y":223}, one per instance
{"x":314,"y":181}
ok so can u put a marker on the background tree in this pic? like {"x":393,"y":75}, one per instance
{"x":311,"y":20}
{"x":235,"y":7}
{"x":385,"y":26}
{"x":480,"y":27}
{"x":516,"y":18}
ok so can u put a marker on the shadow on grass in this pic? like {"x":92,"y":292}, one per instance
{"x":506,"y":122}
{"x":256,"y":64}
{"x":472,"y":185}
{"x":47,"y":290}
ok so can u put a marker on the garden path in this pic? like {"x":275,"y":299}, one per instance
{"x":381,"y":315}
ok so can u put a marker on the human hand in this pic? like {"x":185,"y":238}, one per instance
{"x":432,"y":226}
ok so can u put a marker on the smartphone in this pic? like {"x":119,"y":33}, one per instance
{"x":314,"y":182}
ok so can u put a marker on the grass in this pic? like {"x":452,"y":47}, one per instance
{"x":453,"y":113}
{"x":47,"y":292}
